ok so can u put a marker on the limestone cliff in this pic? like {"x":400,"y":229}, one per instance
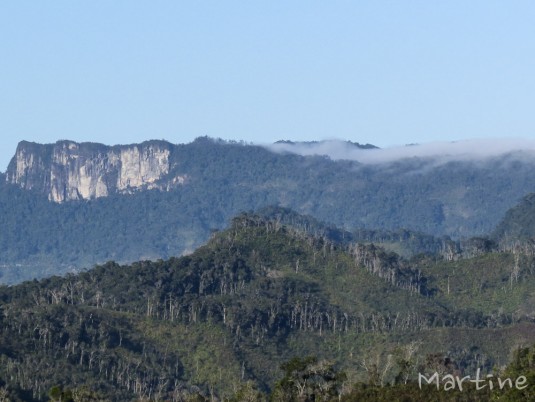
{"x":68,"y":170}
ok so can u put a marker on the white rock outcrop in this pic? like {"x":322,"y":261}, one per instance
{"x":71,"y":171}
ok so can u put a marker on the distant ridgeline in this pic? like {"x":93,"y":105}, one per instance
{"x":408,"y":244}
{"x":67,"y":206}
{"x":266,"y":305}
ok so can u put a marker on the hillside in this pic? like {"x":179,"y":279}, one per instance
{"x":519,"y":222}
{"x":257,"y":295}
{"x":164,"y":200}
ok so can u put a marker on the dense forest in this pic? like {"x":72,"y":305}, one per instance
{"x":267,"y":309}
{"x":518,"y":223}
{"x":390,"y":201}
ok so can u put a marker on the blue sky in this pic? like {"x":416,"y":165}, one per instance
{"x":383,"y":72}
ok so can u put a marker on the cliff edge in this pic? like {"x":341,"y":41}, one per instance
{"x":68,"y":170}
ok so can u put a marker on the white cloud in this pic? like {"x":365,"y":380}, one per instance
{"x":436,"y":152}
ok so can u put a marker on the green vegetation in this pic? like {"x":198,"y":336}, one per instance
{"x":518,"y":223}
{"x":237,"y":319}
{"x":392,"y":204}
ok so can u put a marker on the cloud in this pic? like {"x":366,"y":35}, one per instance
{"x":435,"y":152}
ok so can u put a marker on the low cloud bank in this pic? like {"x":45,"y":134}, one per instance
{"x":437,"y":152}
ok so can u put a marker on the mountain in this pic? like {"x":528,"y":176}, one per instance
{"x":69,"y":171}
{"x":404,"y":242}
{"x":257,"y":295}
{"x":68,"y":206}
{"x":518,"y":223}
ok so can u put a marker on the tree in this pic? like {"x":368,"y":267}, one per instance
{"x":247,"y":393}
{"x":307,"y":379}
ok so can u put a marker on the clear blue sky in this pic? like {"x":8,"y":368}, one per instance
{"x":384,"y":72}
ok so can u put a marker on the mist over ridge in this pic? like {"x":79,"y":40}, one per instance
{"x":438,"y":152}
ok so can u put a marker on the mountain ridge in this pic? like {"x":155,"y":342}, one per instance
{"x":219,"y":179}
{"x":256,"y":295}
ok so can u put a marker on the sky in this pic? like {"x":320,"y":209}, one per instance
{"x":387,"y":73}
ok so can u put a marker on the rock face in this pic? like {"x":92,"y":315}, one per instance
{"x":68,"y":170}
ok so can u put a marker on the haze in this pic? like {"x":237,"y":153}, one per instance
{"x":437,"y":152}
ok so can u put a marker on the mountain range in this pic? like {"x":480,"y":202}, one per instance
{"x":229,"y":271}
{"x":67,"y":206}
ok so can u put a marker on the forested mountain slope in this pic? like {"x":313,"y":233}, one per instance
{"x":198,"y":187}
{"x":258,"y":294}
{"x":518,"y":223}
